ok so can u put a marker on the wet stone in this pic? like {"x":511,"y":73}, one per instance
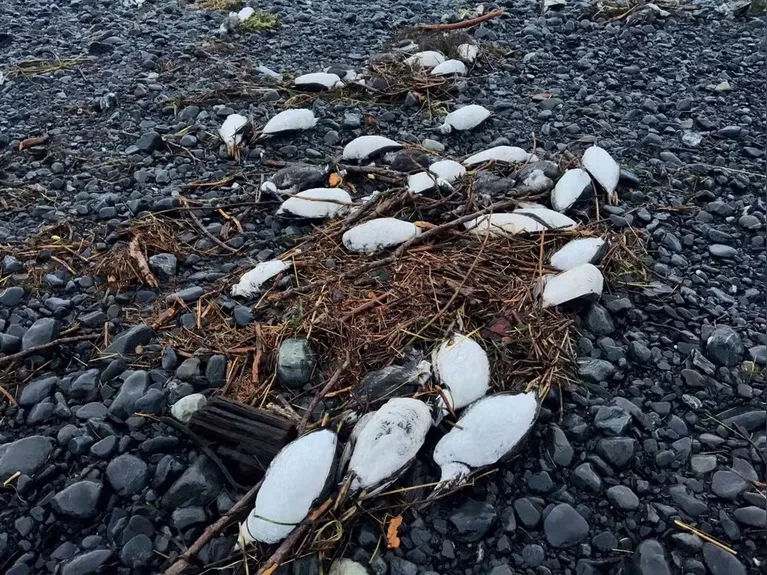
{"x":79,"y":500}
{"x":36,"y":391}
{"x":134,"y":386}
{"x":137,"y":552}
{"x":565,"y":527}
{"x":612,"y":420}
{"x":43,"y":331}
{"x":596,"y":370}
{"x":721,"y":562}
{"x":25,"y":455}
{"x":295,"y":363}
{"x":724,"y":346}
{"x":199,"y":485}
{"x":127,"y":474}
{"x":586,"y":478}
{"x":650,"y":559}
{"x":623,"y":498}
{"x":87,"y":563}
{"x":617,"y":451}
{"x":126,"y":342}
{"x":472,"y":520}
{"x":558,"y":446}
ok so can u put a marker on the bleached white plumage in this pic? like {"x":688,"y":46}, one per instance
{"x":421,"y":182}
{"x":506,"y":154}
{"x":462,"y":369}
{"x":250,"y":283}
{"x":527,"y":220}
{"x":487,"y":431}
{"x":602,"y":167}
{"x":569,"y":189}
{"x":577,"y":252}
{"x":323,"y":80}
{"x":447,"y":170}
{"x":365,"y":147}
{"x":584,"y":280}
{"x":294,"y":480}
{"x":468,"y":52}
{"x":465,"y":118}
{"x":425,"y":59}
{"x":388,"y":443}
{"x":289,"y":121}
{"x":316,"y":203}
{"x":537,"y":181}
{"x":449,"y":68}
{"x":379,"y":234}
{"x":231,"y":131}
{"x":347,"y":567}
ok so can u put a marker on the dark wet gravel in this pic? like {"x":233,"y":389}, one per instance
{"x":669,"y":422}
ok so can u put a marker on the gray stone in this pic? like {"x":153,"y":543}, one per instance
{"x":533,"y":555}
{"x":599,"y":321}
{"x":758,"y":354}
{"x":502,"y":570}
{"x":189,"y":369}
{"x":558,"y":446}
{"x":127,"y":474}
{"x":11,"y":296}
{"x":137,"y":552}
{"x":724,"y":346}
{"x":40,"y":412}
{"x":702,"y":464}
{"x":722,"y":251}
{"x":43,"y":331}
{"x":199,"y":485}
{"x":188,"y":516}
{"x":134,"y":386}
{"x":752,"y":516}
{"x":596,"y":370}
{"x":750,"y":420}
{"x":187,"y":295}
{"x":472,"y":520}
{"x":688,"y":503}
{"x":79,"y":500}
{"x":24,"y":455}
{"x":565,"y":527}
{"x":105,"y":447}
{"x":36,"y":391}
{"x":650,"y":559}
{"x":721,"y":562}
{"x":586,"y":478}
{"x":617,"y":451}
{"x":623,"y":498}
{"x":163,"y":265}
{"x":126,"y":342}
{"x":399,"y":566}
{"x":85,"y":384}
{"x":295,"y":363}
{"x":611,"y":419}
{"x":87,"y":563}
{"x":215,"y":370}
{"x":149,"y":142}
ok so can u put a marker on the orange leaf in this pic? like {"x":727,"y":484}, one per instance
{"x":391,"y":533}
{"x":272,"y":569}
{"x":335,"y":180}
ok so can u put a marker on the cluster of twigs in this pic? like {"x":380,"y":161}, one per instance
{"x":37,"y":67}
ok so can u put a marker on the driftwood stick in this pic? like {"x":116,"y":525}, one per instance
{"x":323,"y":392}
{"x":205,"y":231}
{"x":135,"y":251}
{"x":292,"y":540}
{"x":32,"y":350}
{"x":244,"y":504}
{"x":464,"y":24}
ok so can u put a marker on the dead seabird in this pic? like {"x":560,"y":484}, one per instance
{"x":489,"y":430}
{"x":465,"y":118}
{"x":233,"y":132}
{"x":316,"y":203}
{"x":294,"y":481}
{"x":468,"y":52}
{"x":505,"y":154}
{"x":462,"y":369}
{"x":583,"y":281}
{"x":603,"y":168}
{"x":366,"y":147}
{"x":449,"y":68}
{"x":571,"y":187}
{"x":250,"y":283}
{"x":379,"y":234}
{"x":426,"y":59}
{"x":387,"y":444}
{"x":577,"y":252}
{"x":290,"y":121}
{"x":296,"y":178}
{"x":318,"y":81}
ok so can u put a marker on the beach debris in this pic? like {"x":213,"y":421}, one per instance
{"x":577,"y":252}
{"x":250,"y":283}
{"x":488,"y":430}
{"x":294,"y":481}
{"x":379,"y":234}
{"x":583,"y":281}
{"x":290,"y":121}
{"x":462,"y":370}
{"x":465,"y":118}
{"x":570,"y":188}
{"x":317,"y":203}
{"x":366,"y":147}
{"x":388,"y":443}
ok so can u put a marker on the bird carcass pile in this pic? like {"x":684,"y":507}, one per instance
{"x":426,"y":319}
